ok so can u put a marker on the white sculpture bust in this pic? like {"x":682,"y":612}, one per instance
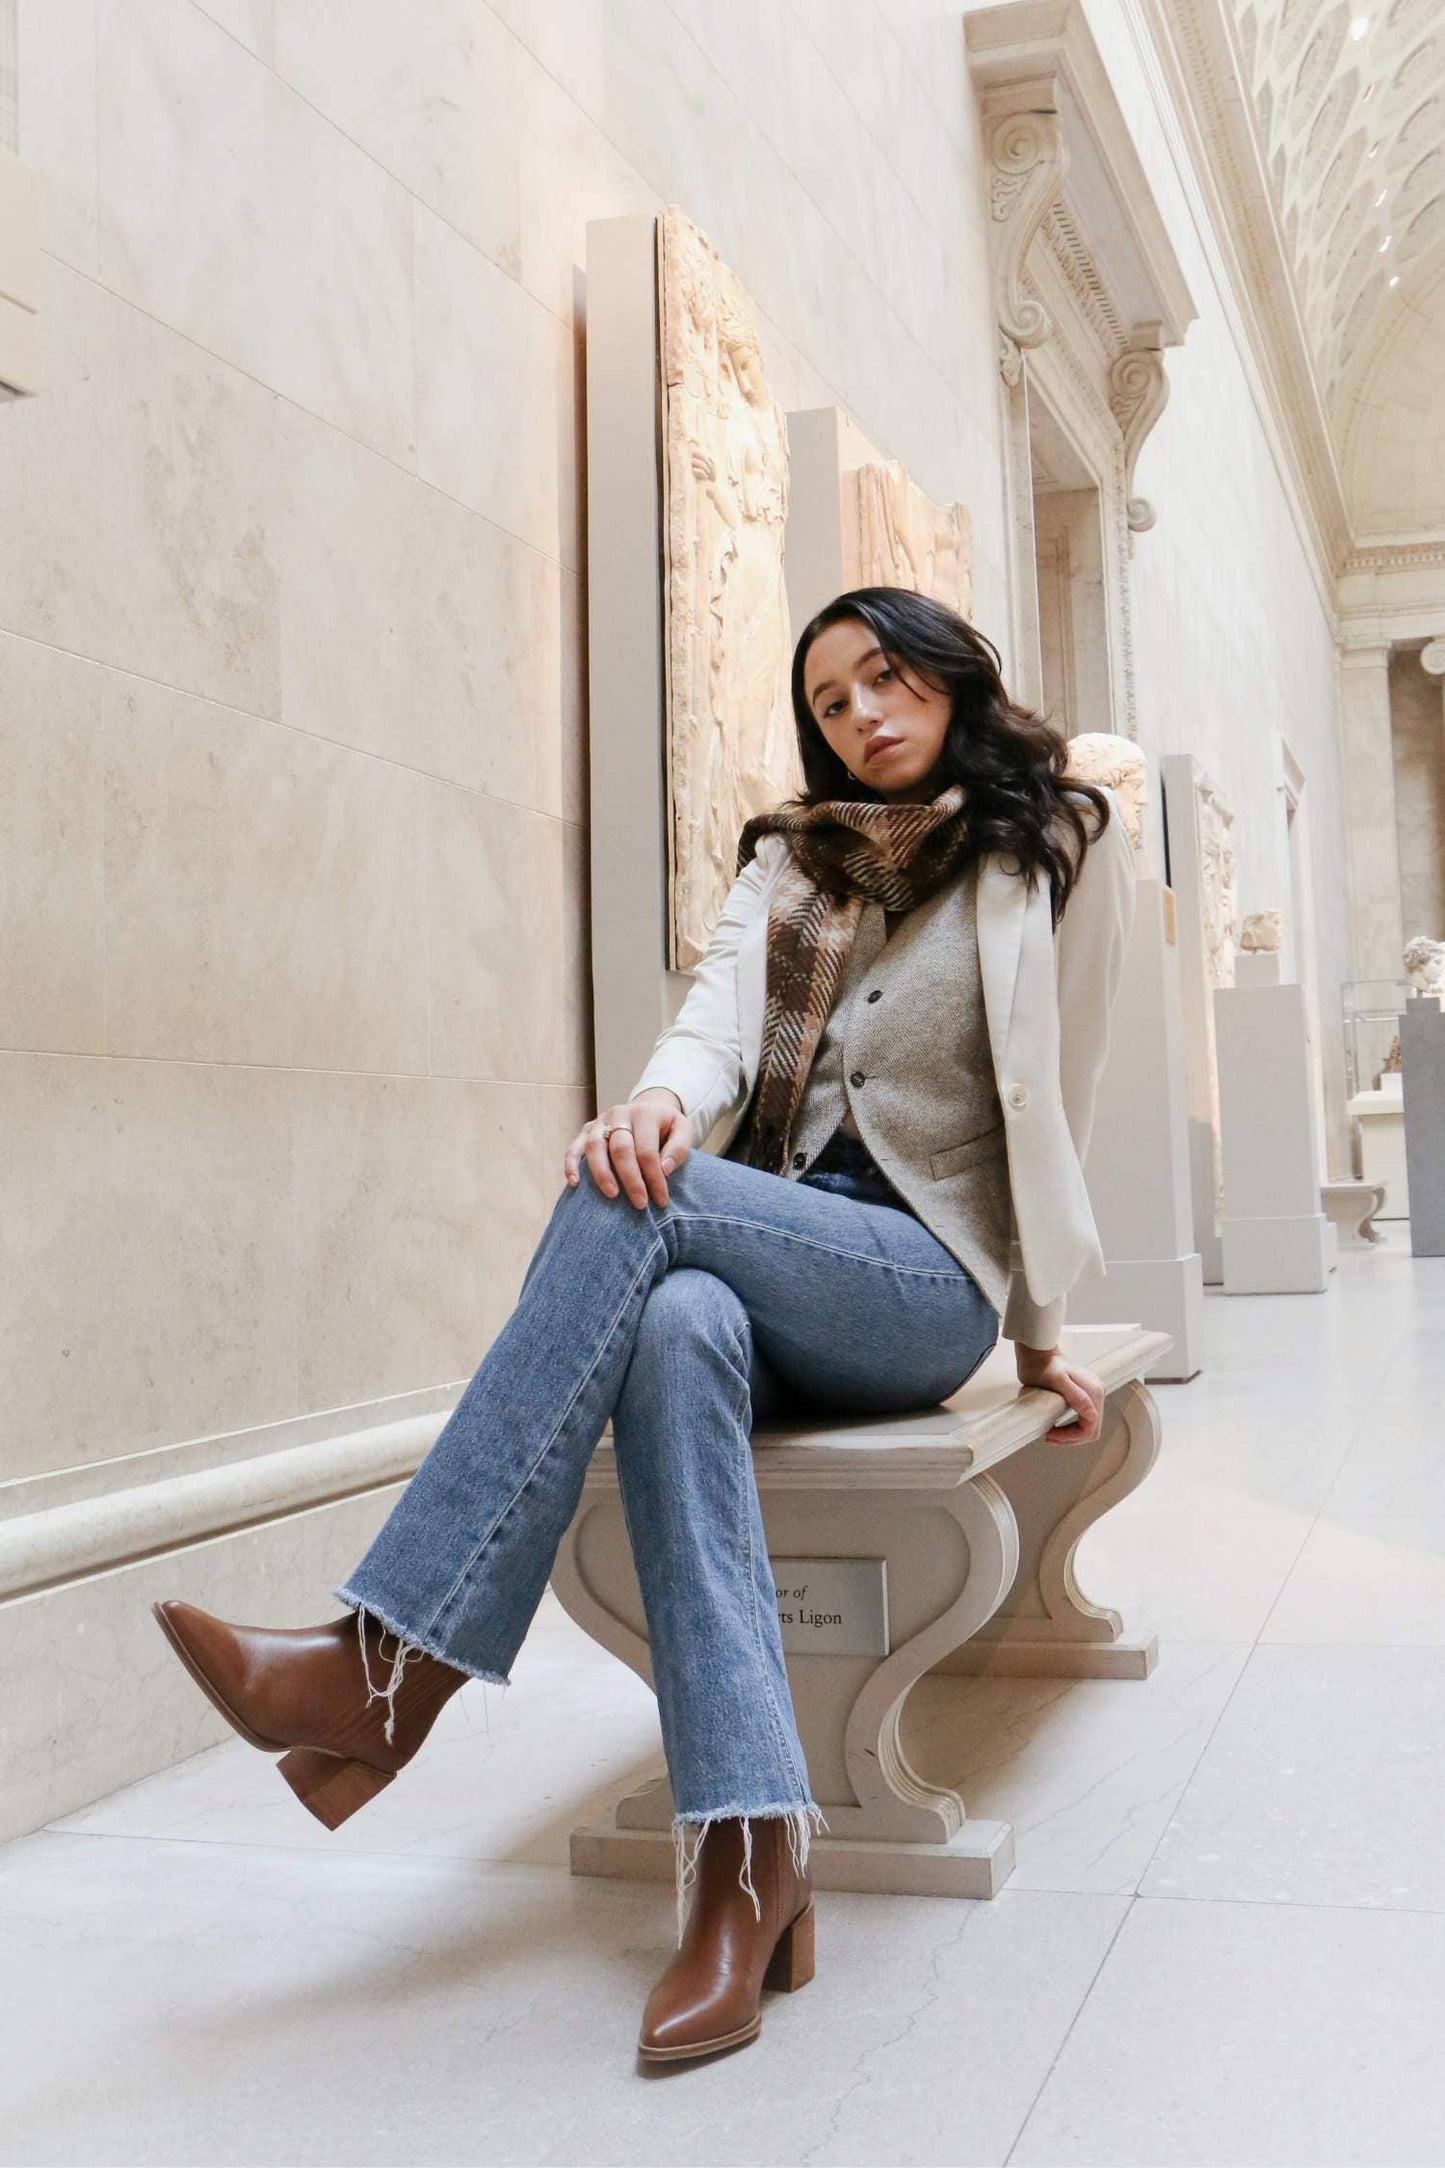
{"x":1263,"y":932}
{"x":1096,"y":756}
{"x":1425,"y":964}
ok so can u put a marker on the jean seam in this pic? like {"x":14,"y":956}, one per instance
{"x":556,"y":1432}
{"x":809,"y":1242}
{"x":745,"y":1475}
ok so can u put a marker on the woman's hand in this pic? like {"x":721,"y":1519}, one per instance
{"x":1082,"y":1389}
{"x":638,"y":1157}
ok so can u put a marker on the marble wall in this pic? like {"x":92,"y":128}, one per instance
{"x":293,"y":990}
{"x":1417,"y":733}
{"x":1233,"y":625}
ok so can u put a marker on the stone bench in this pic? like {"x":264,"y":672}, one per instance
{"x":941,"y":1538}
{"x":1350,"y":1206}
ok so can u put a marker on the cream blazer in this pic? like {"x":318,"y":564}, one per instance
{"x":1047,"y":995}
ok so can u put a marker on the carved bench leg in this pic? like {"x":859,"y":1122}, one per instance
{"x":888,"y":1829}
{"x":1048,"y":1627}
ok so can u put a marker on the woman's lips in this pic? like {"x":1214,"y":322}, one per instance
{"x":877,"y":746}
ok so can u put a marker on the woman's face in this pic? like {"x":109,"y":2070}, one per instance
{"x":885,"y":722}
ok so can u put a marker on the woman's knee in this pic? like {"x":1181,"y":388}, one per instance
{"x":688,"y":1303}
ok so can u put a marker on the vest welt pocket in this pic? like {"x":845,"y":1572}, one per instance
{"x":988,"y":1144}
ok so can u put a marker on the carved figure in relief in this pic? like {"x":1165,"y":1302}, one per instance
{"x":1263,"y":932}
{"x":1219,"y":897}
{"x":1097,"y":756}
{"x":1424,"y":961}
{"x":728,"y":642}
{"x":897,"y":536}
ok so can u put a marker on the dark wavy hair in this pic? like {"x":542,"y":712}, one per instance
{"x":1011,"y":761}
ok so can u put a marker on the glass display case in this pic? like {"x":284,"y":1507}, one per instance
{"x":1372,"y":1022}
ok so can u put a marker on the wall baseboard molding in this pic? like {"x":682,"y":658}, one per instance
{"x":69,"y":1542}
{"x":91,"y":1697}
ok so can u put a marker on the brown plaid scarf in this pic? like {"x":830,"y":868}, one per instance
{"x":843,"y":852}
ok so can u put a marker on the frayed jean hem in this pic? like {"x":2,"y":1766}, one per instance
{"x":801,"y":1831}
{"x":425,"y":1644}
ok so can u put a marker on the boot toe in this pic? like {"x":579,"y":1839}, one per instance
{"x":214,"y":1654}
{"x":673,"y":2030}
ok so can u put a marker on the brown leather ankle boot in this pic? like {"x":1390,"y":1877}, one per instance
{"x":307,"y":1690}
{"x":708,"y":1997}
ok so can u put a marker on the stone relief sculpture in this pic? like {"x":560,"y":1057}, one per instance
{"x":1424,"y":961}
{"x":731,"y":748}
{"x":895,"y":535}
{"x":1218,"y":898}
{"x":1097,"y":756}
{"x":1263,"y":932}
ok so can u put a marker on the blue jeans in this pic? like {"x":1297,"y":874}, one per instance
{"x":749,"y":1295}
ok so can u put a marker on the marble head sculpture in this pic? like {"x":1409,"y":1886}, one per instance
{"x":1096,"y":756}
{"x":1425,"y":964}
{"x":1263,"y":932}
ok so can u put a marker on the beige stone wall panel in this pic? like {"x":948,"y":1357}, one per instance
{"x":234,"y":211}
{"x":263,"y":891}
{"x":141,"y":497}
{"x":52,"y":937}
{"x":506,"y":935}
{"x":146,"y":1226}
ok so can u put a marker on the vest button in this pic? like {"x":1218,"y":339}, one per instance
{"x":857,"y":1077}
{"x":877,"y":994}
{"x":1018,"y":1095}
{"x":800,"y":1159}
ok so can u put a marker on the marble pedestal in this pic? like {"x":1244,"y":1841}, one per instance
{"x":1276,"y":1240}
{"x":1422,"y":1053}
{"x":977,"y":1520}
{"x":1138,"y":1165}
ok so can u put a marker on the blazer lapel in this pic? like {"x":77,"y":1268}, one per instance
{"x":1002,"y":899}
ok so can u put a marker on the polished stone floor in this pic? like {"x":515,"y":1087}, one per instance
{"x":1224,"y":1942}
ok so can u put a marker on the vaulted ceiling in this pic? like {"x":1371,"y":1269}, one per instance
{"x":1347,"y":103}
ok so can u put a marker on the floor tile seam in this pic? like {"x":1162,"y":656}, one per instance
{"x":1287,"y":1904}
{"x":1313,"y":1524}
{"x":1250,"y":1650}
{"x":479,"y":1865}
{"x":1107,"y":1953}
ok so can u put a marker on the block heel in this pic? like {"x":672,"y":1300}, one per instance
{"x":791,"y":1964}
{"x":328,"y":1787}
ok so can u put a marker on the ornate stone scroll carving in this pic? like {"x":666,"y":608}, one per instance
{"x":1028,"y":161}
{"x":1097,"y":756}
{"x":1138,"y":394}
{"x":731,"y":748}
{"x":895,"y":535}
{"x":1263,"y":933}
{"x":1218,"y":893}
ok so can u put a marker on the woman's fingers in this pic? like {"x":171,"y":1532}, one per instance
{"x":1085,"y":1395}
{"x":629,"y":1159}
{"x":635,"y":1157}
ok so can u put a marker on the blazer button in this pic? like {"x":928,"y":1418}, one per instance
{"x":800,"y":1159}
{"x":877,"y":994}
{"x":1018,"y":1095}
{"x":857,"y":1077}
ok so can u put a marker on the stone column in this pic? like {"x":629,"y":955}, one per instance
{"x":1432,"y":662}
{"x":1369,"y":779}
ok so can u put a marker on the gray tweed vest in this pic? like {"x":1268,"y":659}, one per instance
{"x":906,"y":1050}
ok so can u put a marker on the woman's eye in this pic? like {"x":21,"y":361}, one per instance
{"x":831,"y":709}
{"x":887,"y":671}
